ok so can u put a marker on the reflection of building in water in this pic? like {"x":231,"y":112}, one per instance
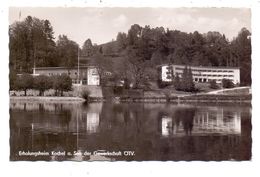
{"x":59,"y":118}
{"x":166,"y":126}
{"x":205,"y":121}
{"x":92,"y":122}
{"x":218,"y":121}
{"x":84,"y":122}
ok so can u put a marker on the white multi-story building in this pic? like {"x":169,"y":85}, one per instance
{"x":202,"y":73}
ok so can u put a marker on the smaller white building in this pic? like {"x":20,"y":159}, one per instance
{"x":86,"y":75}
{"x":202,"y":73}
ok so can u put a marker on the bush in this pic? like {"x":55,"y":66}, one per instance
{"x":162,"y":84}
{"x":85,"y":94}
{"x":226,"y":83}
{"x":23,"y":82}
{"x":167,"y":96}
{"x":118,"y":90}
{"x":12,"y":80}
{"x":61,"y":83}
{"x":42,"y":83}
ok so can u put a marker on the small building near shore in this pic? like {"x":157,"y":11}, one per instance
{"x":201,"y":73}
{"x":83,"y":75}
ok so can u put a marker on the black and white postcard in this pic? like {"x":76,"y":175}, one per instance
{"x":128,"y":83}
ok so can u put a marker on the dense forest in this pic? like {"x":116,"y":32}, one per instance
{"x":132,"y":56}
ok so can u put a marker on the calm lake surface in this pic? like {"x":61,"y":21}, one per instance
{"x":129,"y":131}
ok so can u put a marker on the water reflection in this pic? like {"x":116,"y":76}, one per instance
{"x":209,"y":120}
{"x":152,"y":131}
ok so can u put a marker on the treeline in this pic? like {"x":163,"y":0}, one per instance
{"x":25,"y":82}
{"x":133,"y":56}
{"x":164,"y":46}
{"x":32,"y":44}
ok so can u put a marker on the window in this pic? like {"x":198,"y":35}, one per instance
{"x":84,"y":81}
{"x":76,"y":73}
{"x":179,"y":68}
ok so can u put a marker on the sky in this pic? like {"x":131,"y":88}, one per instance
{"x":101,"y":25}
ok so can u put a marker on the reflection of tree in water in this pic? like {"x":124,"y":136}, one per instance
{"x":185,"y":116}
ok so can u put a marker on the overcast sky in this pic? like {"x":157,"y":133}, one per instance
{"x":101,"y":25}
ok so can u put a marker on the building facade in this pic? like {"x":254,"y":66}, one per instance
{"x":86,"y":75}
{"x":202,"y":73}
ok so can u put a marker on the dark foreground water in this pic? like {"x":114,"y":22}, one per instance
{"x":132,"y":132}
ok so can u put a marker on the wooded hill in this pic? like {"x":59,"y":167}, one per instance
{"x":132,"y":56}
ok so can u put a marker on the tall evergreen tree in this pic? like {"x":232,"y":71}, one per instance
{"x":31,"y":44}
{"x":67,"y":51}
{"x":177,"y":82}
{"x":87,"y":48}
{"x":190,"y":83}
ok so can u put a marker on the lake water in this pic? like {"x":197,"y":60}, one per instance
{"x":129,"y":132}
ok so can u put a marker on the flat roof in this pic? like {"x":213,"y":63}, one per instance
{"x":57,"y":68}
{"x":213,"y":67}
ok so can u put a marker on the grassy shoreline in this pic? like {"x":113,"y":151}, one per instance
{"x":175,"y":99}
{"x":46,"y":99}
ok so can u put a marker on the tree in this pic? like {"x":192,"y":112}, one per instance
{"x":49,"y":48}
{"x":241,"y":53}
{"x":12,"y":80}
{"x":61,"y":83}
{"x":65,"y":83}
{"x":103,"y":65}
{"x":24,"y":82}
{"x":187,"y":83}
{"x":226,"y":83}
{"x":121,"y":71}
{"x":42,"y":83}
{"x":55,"y":80}
{"x":191,"y":85}
{"x":139,"y":53}
{"x":108,"y":49}
{"x":87,"y":48}
{"x":121,"y":40}
{"x":185,"y":79}
{"x":136,"y":66}
{"x":67,"y":52}
{"x":31,"y":44}
{"x":133,"y":34}
{"x":177,"y":82}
